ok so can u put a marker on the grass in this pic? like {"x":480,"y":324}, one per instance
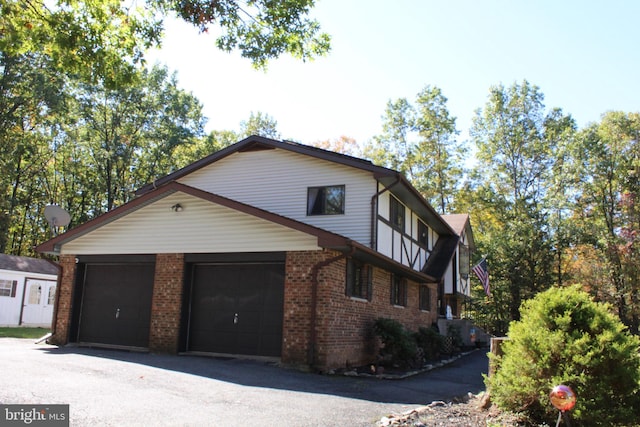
{"x":23,"y":332}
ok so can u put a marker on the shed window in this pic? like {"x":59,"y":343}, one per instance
{"x":8,"y":288}
{"x":52,"y":295}
{"x":396,"y":214}
{"x":35,"y":292}
{"x":359,"y":279}
{"x":325,"y":200}
{"x":398,"y":290}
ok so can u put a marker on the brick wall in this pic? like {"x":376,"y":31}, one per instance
{"x":64,"y":300}
{"x":297,"y":305}
{"x":344,"y":324}
{"x":166,"y":303}
{"x":348,"y":338}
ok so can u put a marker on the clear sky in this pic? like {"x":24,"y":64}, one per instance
{"x":584,"y":56}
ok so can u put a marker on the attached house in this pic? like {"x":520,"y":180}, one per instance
{"x":265,"y":248}
{"x":27,"y":291}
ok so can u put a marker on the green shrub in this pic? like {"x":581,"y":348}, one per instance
{"x":399,"y":347}
{"x":564,"y":337}
{"x":430,"y":341}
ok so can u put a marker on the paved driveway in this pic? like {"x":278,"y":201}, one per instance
{"x":118,"y":388}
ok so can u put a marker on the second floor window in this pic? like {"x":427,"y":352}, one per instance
{"x":396,"y":214}
{"x":423,"y":234}
{"x":325,"y":200}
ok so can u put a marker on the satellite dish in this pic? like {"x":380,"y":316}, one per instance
{"x":56,"y":216}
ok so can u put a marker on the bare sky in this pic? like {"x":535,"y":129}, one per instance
{"x":584,"y":56}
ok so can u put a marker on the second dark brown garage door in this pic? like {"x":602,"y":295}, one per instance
{"x":237,"y":308}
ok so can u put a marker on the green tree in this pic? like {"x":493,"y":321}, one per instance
{"x":31,"y":94}
{"x":105,"y":39}
{"x":439,"y":155}
{"x":127,"y":136}
{"x":517,"y":143}
{"x":185,"y":154}
{"x":260,"y":124}
{"x":420,"y":142}
{"x":606,"y":166}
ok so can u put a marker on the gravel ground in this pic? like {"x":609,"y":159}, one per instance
{"x":468,"y":411}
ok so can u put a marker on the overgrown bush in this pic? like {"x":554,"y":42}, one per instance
{"x":430,"y":341}
{"x":564,"y":337}
{"x":398,"y":346}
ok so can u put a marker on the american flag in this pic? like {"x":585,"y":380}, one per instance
{"x":482,"y":272}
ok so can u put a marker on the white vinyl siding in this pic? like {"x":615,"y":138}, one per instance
{"x":278,"y":181}
{"x":10,"y":308}
{"x":448,"y":280}
{"x":201,"y":227}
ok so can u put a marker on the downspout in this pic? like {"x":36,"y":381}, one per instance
{"x":374,"y":198}
{"x":312,"y":354}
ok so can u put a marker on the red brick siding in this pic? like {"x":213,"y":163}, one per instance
{"x":344,"y":324}
{"x":297,"y":305}
{"x":64,"y":297}
{"x":166,"y":303}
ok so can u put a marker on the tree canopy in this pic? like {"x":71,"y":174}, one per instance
{"x":106,"y":39}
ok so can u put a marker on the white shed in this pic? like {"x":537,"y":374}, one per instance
{"x":27,"y":291}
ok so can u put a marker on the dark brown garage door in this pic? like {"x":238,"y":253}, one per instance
{"x":116,"y":304}
{"x":237,"y":309}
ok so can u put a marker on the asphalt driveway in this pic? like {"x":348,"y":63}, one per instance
{"x":119,"y":388}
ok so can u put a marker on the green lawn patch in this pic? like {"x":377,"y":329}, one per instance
{"x":23,"y":332}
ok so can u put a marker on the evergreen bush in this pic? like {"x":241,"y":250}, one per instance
{"x":399,"y":348}
{"x":564,"y":337}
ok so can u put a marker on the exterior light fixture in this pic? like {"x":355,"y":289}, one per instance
{"x":177,"y":207}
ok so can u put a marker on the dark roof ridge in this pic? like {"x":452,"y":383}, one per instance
{"x":259,"y":142}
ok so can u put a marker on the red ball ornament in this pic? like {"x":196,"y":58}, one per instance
{"x":563,"y":398}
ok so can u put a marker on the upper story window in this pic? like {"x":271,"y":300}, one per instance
{"x":327,"y":200}
{"x":423,"y":234}
{"x":396,"y":214}
{"x":359,"y":279}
